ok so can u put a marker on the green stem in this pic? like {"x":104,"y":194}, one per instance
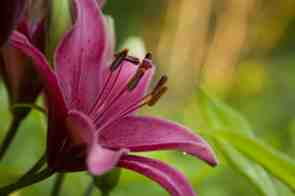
{"x":9,"y":137}
{"x":105,"y":193}
{"x":29,"y":106}
{"x":57,"y":184}
{"x":38,"y":165}
{"x":44,"y":174}
{"x":89,"y":189}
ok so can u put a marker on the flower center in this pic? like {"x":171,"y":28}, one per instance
{"x":110,"y":95}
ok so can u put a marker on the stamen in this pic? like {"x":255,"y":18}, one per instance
{"x":132,"y":59}
{"x":132,"y":83}
{"x":148,"y":56}
{"x":132,"y":86}
{"x":116,"y":63}
{"x":133,"y":107}
{"x":163,"y":80}
{"x":144,"y":66}
{"x":118,"y":60}
{"x":101,"y":99}
{"x":157,"y":95}
{"x":146,"y":63}
{"x":149,"y":99}
{"x":135,"y":79}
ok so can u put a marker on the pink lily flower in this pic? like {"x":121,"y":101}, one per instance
{"x":92,"y":102}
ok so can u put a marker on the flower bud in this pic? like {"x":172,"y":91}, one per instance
{"x":10,"y":14}
{"x":19,"y":76}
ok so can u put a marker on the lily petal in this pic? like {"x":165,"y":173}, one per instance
{"x":79,"y":57}
{"x":148,"y":134}
{"x":80,"y":127}
{"x":169,"y":178}
{"x":101,"y":160}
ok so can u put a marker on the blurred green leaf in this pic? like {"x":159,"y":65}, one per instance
{"x":275,"y":162}
{"x":8,"y":175}
{"x":220,"y":116}
{"x":255,"y":174}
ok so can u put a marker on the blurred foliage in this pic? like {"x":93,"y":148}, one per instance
{"x":242,"y":52}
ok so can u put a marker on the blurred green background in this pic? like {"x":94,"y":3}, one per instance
{"x":240,"y":51}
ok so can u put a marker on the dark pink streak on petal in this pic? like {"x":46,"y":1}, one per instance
{"x":80,"y":55}
{"x":169,"y":178}
{"x":147,"y":134}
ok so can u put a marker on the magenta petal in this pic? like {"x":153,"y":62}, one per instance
{"x":147,"y":134}
{"x":169,"y":178}
{"x":101,"y":160}
{"x":80,"y":55}
{"x":80,"y":127}
{"x":19,"y":41}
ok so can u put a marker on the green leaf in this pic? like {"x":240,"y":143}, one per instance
{"x":253,"y":172}
{"x":107,"y":182}
{"x":220,"y":116}
{"x":278,"y":164}
{"x":8,"y":175}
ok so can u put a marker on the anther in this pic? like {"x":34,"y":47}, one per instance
{"x":157,"y":95}
{"x":132,"y":59}
{"x":160,"y":83}
{"x":146,"y":64}
{"x":118,"y":59}
{"x":135,"y":79}
{"x":148,"y":56}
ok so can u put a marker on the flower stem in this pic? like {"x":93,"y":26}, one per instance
{"x":23,"y":182}
{"x":29,"y":106}
{"x":105,"y":194}
{"x":58,"y":184}
{"x":89,"y":189}
{"x":38,"y":165}
{"x":9,"y":137}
